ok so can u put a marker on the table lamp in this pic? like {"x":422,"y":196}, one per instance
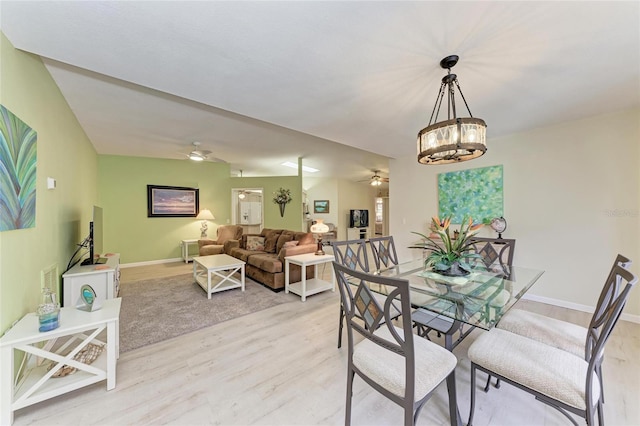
{"x":204,"y":215}
{"x":319,"y":228}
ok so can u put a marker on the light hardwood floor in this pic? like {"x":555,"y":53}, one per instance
{"x":281,"y":366}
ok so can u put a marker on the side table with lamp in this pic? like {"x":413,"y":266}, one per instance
{"x":316,"y":285}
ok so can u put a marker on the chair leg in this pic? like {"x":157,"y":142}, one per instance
{"x":454,"y":415}
{"x":488,"y":385}
{"x":473,"y":394}
{"x":340,"y":327}
{"x":347,"y":414}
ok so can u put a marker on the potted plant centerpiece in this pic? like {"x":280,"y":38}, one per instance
{"x":452,"y":255}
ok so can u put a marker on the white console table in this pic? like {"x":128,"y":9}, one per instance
{"x":357,"y":233}
{"x":104,"y":278}
{"x":79,"y":328}
{"x":306,"y":287}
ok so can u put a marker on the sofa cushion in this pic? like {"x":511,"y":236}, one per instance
{"x":242,"y":254}
{"x":255,"y":243}
{"x":304,"y":238}
{"x":270,"y":241}
{"x":267,"y":262}
{"x":285,"y":237}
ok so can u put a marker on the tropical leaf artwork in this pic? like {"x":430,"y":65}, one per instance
{"x":18,"y":156}
{"x":476,"y":193}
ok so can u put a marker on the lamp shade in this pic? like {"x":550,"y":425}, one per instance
{"x":205,"y":214}
{"x":319,"y":227}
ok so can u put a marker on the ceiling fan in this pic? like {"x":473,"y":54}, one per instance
{"x":376,"y":179}
{"x":198,"y":154}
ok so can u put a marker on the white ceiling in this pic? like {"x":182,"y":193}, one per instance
{"x":259,"y":83}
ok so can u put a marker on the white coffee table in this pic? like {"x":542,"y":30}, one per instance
{"x":306,"y":287}
{"x":216,"y":273}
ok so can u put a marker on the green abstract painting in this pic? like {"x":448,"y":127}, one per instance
{"x":17,"y":173}
{"x":477,"y":193}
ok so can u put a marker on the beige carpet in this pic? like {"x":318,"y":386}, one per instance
{"x":161,"y":308}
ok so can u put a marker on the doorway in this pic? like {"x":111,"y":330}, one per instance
{"x":247,"y":209}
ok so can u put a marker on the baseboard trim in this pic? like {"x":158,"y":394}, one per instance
{"x":576,"y":306}
{"x":151,"y":262}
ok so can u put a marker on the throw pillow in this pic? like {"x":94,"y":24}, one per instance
{"x":255,"y":243}
{"x":289,"y":244}
{"x":283,"y":238}
{"x":270,"y":243}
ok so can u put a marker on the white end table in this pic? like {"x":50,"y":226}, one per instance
{"x":38,"y":384}
{"x":306,"y":287}
{"x":185,"y":249}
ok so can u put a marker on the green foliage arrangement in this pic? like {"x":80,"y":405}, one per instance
{"x":452,"y":250}
{"x":282,"y":196}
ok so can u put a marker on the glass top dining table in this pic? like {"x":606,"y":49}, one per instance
{"x":479,"y":299}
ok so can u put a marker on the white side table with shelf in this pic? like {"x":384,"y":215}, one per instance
{"x":185,"y":249}
{"x":37,"y":384}
{"x":104,"y":278}
{"x":306,"y":287}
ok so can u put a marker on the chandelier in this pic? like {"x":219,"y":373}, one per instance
{"x":457,"y":138}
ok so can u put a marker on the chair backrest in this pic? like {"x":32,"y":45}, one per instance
{"x":228,"y":232}
{"x":366,"y":314}
{"x":384,"y":252}
{"x":496,"y":253}
{"x":602,"y":325}
{"x":352,"y":254}
{"x":611,"y":292}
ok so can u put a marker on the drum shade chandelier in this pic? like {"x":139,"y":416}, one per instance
{"x":457,"y":138}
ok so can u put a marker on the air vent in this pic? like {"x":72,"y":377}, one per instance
{"x":49,"y":278}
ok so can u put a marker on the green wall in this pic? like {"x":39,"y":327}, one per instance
{"x":122,"y":183}
{"x":65,"y":154}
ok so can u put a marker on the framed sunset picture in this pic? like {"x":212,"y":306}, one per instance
{"x":172,"y":201}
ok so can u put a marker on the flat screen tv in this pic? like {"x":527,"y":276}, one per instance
{"x":95,"y":237}
{"x":358,"y":218}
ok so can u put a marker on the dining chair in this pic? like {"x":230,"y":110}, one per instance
{"x":563,"y":335}
{"x":353,"y":255}
{"x":388,"y":358}
{"x":496,"y":254}
{"x":558,"y":378}
{"x":384,"y":252}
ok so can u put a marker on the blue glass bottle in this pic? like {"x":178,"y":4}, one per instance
{"x":48,"y":311}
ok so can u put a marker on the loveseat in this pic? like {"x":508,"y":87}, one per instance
{"x":264,"y":254}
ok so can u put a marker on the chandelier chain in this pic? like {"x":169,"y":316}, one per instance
{"x":463,"y":98}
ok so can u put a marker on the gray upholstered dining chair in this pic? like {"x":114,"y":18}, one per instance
{"x":563,"y":335}
{"x":384,"y":252}
{"x":554,"y":376}
{"x":496,"y":255}
{"x":353,"y":255}
{"x":388,"y":358}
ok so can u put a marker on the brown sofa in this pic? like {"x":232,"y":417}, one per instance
{"x":225,"y":233}
{"x":265,"y":262}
